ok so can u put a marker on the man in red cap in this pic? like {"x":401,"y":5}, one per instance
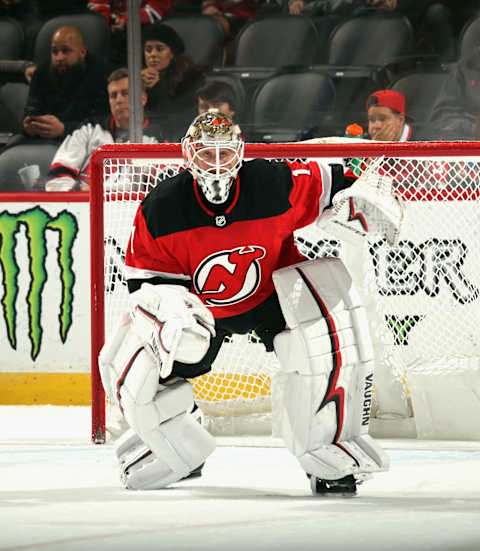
{"x":387,"y":117}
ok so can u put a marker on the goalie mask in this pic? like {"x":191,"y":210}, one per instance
{"x":213,"y":153}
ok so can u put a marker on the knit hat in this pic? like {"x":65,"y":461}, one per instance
{"x":388,"y":98}
{"x":163,"y":33}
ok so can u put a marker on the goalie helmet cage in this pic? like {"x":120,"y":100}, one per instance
{"x":422,"y":296}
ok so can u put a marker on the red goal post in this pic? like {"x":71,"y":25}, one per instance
{"x":422,"y":296}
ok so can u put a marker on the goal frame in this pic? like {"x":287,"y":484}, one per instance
{"x":167,"y":151}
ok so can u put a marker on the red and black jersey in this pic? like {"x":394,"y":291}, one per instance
{"x":226,"y":255}
{"x":150,"y":10}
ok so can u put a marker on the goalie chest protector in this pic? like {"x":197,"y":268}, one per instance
{"x":226,"y":255}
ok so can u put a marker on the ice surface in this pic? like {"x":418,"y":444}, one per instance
{"x":59,"y":492}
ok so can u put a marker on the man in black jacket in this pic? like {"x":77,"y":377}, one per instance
{"x":456,"y":113}
{"x":68,"y":91}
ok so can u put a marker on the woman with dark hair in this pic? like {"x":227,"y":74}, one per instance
{"x":171,"y":80}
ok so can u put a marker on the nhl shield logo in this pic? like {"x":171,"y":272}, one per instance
{"x":220,"y":220}
{"x":230,"y":276}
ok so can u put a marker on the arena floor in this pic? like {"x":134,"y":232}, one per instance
{"x":59,"y":492}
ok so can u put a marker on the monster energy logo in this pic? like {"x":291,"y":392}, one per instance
{"x":35,"y":223}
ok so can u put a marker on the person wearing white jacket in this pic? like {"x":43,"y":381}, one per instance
{"x":70,"y":167}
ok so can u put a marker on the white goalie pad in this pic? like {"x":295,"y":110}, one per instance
{"x":368,"y":207}
{"x":157,"y":413}
{"x":173,"y":323}
{"x":186,"y":445}
{"x":327,"y":354}
{"x":130,"y":376}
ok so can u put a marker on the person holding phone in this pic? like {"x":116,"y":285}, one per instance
{"x":67,"y":91}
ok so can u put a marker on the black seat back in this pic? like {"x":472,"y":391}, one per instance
{"x":421,"y":91}
{"x":290,"y":107}
{"x":11,"y":39}
{"x":13,"y":97}
{"x":19,"y":156}
{"x":203,"y":37}
{"x":370,"y":40}
{"x":276,"y":41}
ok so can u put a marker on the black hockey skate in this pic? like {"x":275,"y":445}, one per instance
{"x":196,"y":473}
{"x":345,"y":486}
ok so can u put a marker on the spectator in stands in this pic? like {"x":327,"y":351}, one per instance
{"x":231,"y":14}
{"x":456,"y":113}
{"x":387,"y":120}
{"x":67,"y":91}
{"x":321,"y":8}
{"x":115,"y":12}
{"x":170,"y":79}
{"x":70,"y":168}
{"x":216,"y":94}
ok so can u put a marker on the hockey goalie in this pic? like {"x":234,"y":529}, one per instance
{"x":211,"y":253}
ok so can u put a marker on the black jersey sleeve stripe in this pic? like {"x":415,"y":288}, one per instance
{"x":135,"y":284}
{"x":339,"y":181}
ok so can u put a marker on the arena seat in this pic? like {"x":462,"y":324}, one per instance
{"x":370,"y":40}
{"x":276,"y":41}
{"x":420,"y":91}
{"x":93,"y":27}
{"x":13,"y":97}
{"x":359,"y":50}
{"x":11,"y":38}
{"x":19,"y":156}
{"x":203,"y":37}
{"x":325,"y":25}
{"x":290,"y":106}
{"x":267,"y":44}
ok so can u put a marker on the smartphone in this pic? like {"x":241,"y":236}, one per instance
{"x":31,"y":111}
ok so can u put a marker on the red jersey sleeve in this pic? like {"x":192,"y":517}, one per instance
{"x":311,"y":191}
{"x":101,"y":7}
{"x":150,"y":10}
{"x":153,"y":10}
{"x":147,"y":257}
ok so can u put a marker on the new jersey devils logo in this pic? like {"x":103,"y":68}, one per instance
{"x":227,"y":277}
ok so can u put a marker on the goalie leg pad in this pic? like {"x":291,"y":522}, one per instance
{"x":186,"y":445}
{"x":156,"y":412}
{"x":327,"y":354}
{"x":131,"y":377}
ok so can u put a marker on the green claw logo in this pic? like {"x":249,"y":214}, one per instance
{"x":36,"y":222}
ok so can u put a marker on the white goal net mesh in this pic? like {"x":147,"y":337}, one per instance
{"x":422,"y":296}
